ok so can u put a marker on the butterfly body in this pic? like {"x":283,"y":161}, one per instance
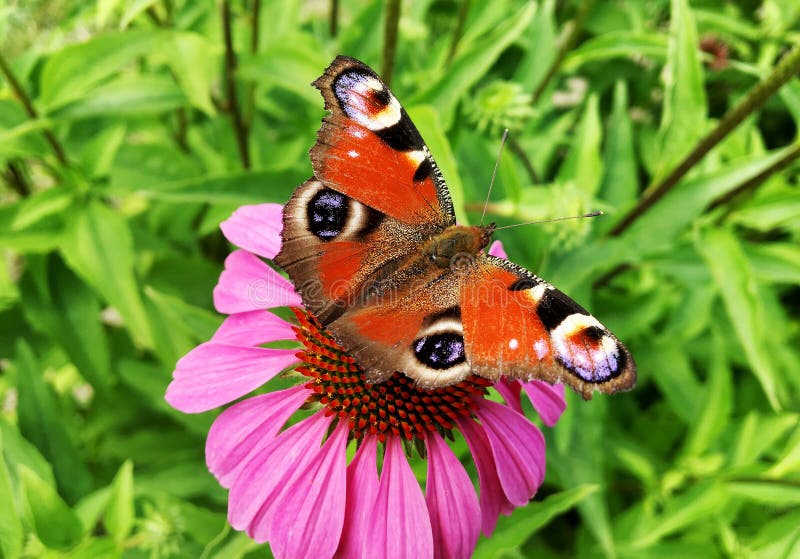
{"x":372,"y":246}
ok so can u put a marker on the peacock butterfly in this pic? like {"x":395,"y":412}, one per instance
{"x":372,"y":246}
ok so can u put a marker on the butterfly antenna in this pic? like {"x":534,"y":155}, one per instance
{"x":494,"y":173}
{"x":590,"y":214}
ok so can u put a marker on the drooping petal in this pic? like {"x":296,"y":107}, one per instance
{"x":548,"y":399}
{"x":244,"y":429}
{"x":255,"y":228}
{"x":264,"y":476}
{"x":518,"y":448}
{"x":213,"y":374}
{"x":493,"y":499}
{"x":247,"y":284}
{"x":496,"y":249}
{"x":452,"y":503}
{"x":253,"y":328}
{"x":362,"y":488}
{"x":310,"y":510}
{"x":401,"y":527}
{"x":510,"y":391}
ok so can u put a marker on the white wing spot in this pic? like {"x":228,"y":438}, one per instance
{"x":513,"y":343}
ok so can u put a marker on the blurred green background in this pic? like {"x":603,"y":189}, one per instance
{"x":129,"y":130}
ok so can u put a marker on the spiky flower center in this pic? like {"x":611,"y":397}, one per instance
{"x":395,"y":406}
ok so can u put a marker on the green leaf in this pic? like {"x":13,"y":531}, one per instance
{"x":513,"y":531}
{"x":53,"y":521}
{"x":620,"y":182}
{"x":10,"y":520}
{"x":583,"y":165}
{"x":120,"y":511}
{"x":40,"y":423}
{"x":684,"y":109}
{"x":579,"y":455}
{"x":99,"y":248}
{"x":75,"y":70}
{"x":766,"y":492}
{"x":540,"y":47}
{"x":128,"y":96}
{"x":471,"y":65}
{"x":193,"y":59}
{"x":60,"y":306}
{"x":671,"y":216}
{"x":736,"y":283}
{"x":616,"y":44}
{"x":713,"y":420}
{"x":697,"y":504}
{"x":430,"y":124}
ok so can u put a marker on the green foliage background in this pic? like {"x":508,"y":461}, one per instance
{"x":117,"y":174}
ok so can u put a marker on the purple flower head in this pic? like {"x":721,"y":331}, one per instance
{"x":287,"y":471}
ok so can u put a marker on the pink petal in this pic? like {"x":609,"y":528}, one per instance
{"x":548,"y":399}
{"x":362,"y":488}
{"x":265,"y":474}
{"x":493,"y":499}
{"x":310,"y":510}
{"x":510,"y":391}
{"x":518,"y":448}
{"x":253,"y":328}
{"x":256,"y":228}
{"x":401,"y":527}
{"x":244,"y":429}
{"x":213,"y":374}
{"x":247,"y":284}
{"x":497,"y":250}
{"x":452,"y":503}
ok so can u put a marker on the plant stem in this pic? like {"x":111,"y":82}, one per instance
{"x":787,"y":68}
{"x":58,"y":150}
{"x":390,"y":39}
{"x":255,"y":30}
{"x":748,"y":186}
{"x":239,"y":128}
{"x":519,"y":151}
{"x":570,"y":36}
{"x":333,"y":20}
{"x":17,"y":179}
{"x":458,"y":31}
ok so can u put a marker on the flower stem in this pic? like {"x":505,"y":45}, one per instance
{"x":58,"y":150}
{"x":390,"y":39}
{"x":255,"y":30}
{"x":239,"y":128}
{"x":755,"y":98}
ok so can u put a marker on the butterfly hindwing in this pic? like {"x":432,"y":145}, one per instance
{"x":519,"y":326}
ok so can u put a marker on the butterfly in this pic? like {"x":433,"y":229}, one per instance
{"x":372,"y":246}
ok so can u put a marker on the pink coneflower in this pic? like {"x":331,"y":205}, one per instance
{"x":289,"y":479}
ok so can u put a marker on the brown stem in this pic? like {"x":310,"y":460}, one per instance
{"x":30,"y":110}
{"x":17,"y":179}
{"x":570,"y":36}
{"x":334,"y":18}
{"x":518,"y":150}
{"x":750,"y":185}
{"x":239,"y":128}
{"x":755,"y":98}
{"x":390,"y":25}
{"x":255,"y":30}
{"x":458,"y":31}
